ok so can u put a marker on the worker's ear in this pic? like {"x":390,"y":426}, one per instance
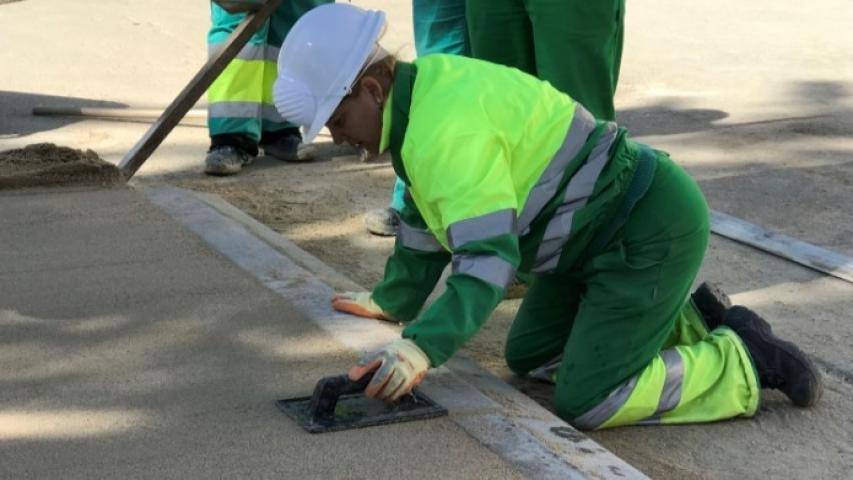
{"x":373,"y":88}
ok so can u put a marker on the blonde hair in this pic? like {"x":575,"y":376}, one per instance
{"x":382,"y":71}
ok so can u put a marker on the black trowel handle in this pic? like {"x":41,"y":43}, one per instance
{"x":329,"y":390}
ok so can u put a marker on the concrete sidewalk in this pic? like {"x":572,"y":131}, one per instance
{"x":131,"y":349}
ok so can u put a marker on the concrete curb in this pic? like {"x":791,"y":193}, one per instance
{"x":532,"y":439}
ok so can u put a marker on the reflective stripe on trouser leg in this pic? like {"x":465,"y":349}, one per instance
{"x":713,"y":379}
{"x":240,"y":99}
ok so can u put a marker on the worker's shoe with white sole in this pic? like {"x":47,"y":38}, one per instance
{"x":781,"y":365}
{"x":226,"y":160}
{"x":284,"y":145}
{"x":712,"y":303}
{"x":384,"y":222}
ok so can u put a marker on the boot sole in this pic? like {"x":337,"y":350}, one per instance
{"x":806,"y":389}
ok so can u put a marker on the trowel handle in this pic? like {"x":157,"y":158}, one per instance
{"x":355,"y":386}
{"x":329,"y":390}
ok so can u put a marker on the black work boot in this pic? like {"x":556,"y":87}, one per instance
{"x":780,"y":364}
{"x":712,"y":303}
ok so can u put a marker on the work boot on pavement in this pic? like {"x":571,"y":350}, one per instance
{"x":780,"y":364}
{"x":284,"y":145}
{"x":384,"y":222}
{"x":225,"y":160}
{"x":712,"y":303}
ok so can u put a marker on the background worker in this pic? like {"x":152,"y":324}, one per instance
{"x":241,"y":114}
{"x":506,"y":173}
{"x":574,"y":44}
{"x":439,"y":28}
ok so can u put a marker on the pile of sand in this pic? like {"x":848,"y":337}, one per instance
{"x":46,"y":164}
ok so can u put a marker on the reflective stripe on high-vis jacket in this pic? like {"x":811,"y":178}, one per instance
{"x":549,"y":182}
{"x":481,"y":228}
{"x":489,"y":268}
{"x":577,"y":193}
{"x":417,"y":238}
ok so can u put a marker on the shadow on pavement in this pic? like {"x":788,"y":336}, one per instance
{"x":666,"y":118}
{"x":17,"y":119}
{"x":818,"y":104}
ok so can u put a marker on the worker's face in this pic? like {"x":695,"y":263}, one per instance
{"x":358,"y":119}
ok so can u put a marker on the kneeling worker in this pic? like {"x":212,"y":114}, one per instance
{"x":504,"y":173}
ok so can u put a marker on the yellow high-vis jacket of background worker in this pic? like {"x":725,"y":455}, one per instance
{"x":496,"y":183}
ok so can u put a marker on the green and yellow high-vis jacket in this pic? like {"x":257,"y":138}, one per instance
{"x":504,"y":174}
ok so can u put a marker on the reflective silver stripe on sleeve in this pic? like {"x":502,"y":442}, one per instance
{"x":577,"y":193}
{"x":244,"y":110}
{"x":670,"y":395}
{"x":600,"y":413}
{"x":418,"y":239}
{"x":489,"y":268}
{"x":249,"y":52}
{"x":582,"y":125}
{"x":481,"y":228}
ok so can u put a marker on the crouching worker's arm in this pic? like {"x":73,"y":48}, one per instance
{"x":411,"y":274}
{"x":473,"y":290}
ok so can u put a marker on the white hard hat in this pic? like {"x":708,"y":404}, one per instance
{"x":320,"y":60}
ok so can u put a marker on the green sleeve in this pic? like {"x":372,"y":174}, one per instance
{"x":465,"y":305}
{"x":410,"y":274}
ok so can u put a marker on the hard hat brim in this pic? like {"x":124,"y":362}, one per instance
{"x":374,"y":28}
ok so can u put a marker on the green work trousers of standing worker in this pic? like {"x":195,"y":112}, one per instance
{"x":576,"y":45}
{"x":240,"y":104}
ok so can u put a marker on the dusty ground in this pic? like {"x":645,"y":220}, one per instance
{"x":320,"y":206}
{"x":754,"y":98}
{"x":46,"y":164}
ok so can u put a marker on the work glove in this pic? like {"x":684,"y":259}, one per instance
{"x":401,"y":366}
{"x":361,"y":304}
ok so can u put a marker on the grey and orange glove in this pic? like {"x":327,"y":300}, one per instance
{"x":400,"y":366}
{"x":361,"y":304}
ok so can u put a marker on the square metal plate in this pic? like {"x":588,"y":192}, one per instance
{"x":358,"y":411}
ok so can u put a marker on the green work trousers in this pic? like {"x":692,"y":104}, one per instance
{"x":574,"y":44}
{"x":634,"y":350}
{"x":240,"y":100}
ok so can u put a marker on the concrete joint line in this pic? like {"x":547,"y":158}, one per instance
{"x":782,"y":246}
{"x":529,"y":437}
